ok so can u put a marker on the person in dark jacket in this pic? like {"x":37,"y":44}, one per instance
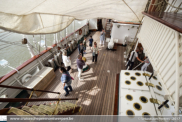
{"x":84,"y":45}
{"x":66,"y":80}
{"x":81,"y":48}
{"x":80,"y":64}
{"x":90,"y":42}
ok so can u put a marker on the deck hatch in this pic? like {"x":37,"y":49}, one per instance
{"x":127,"y":82}
{"x":137,"y":74}
{"x":127,"y":73}
{"x":159,"y":88}
{"x":139,"y":83}
{"x":129,"y":97}
{"x":143,"y":99}
{"x":137,"y":106}
{"x":146,"y":115}
{"x":133,"y":78}
{"x":130,"y":112}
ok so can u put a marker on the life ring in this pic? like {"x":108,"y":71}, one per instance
{"x":80,"y":31}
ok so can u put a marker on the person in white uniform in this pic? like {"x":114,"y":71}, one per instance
{"x":146,"y":64}
{"x":66,"y":61}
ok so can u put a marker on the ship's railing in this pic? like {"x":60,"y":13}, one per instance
{"x":31,"y":89}
{"x":5,"y":77}
{"x":33,"y":100}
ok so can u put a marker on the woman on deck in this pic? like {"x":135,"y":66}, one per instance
{"x":66,"y":61}
{"x":102,"y":37}
{"x":95,"y":52}
{"x":66,"y":80}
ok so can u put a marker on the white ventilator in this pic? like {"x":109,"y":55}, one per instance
{"x":51,"y":63}
{"x":73,"y":44}
{"x":125,"y":40}
{"x":70,"y":46}
{"x":111,"y":44}
{"x":25,"y":78}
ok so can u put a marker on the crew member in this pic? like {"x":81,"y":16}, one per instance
{"x":132,"y":58}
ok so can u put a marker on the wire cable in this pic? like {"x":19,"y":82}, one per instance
{"x":173,"y":5}
{"x":156,"y":3}
{"x":132,"y":10}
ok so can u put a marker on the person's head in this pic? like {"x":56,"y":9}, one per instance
{"x":79,"y":56}
{"x":85,"y":38}
{"x":81,"y":43}
{"x":103,"y":30}
{"x":95,"y":44}
{"x":62,"y":70}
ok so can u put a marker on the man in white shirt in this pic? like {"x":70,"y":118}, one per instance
{"x":132,"y":58}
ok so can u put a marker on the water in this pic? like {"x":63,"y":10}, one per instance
{"x":18,"y":54}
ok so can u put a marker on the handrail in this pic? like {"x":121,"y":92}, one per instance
{"x":5,"y":77}
{"x":15,"y":87}
{"x":33,"y":100}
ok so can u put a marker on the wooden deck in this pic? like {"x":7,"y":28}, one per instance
{"x":96,"y":92}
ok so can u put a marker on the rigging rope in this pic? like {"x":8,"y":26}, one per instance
{"x":173,"y":5}
{"x":132,"y":10}
{"x":157,"y":3}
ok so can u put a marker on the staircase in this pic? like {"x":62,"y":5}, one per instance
{"x":63,"y":108}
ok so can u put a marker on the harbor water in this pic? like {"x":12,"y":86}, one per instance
{"x":13,"y":51}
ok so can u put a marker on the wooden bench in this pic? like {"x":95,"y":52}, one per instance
{"x":41,"y":80}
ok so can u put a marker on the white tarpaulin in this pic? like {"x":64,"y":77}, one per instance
{"x":49,"y":16}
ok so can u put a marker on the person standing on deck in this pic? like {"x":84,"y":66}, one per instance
{"x":132,"y":59}
{"x":146,"y":64}
{"x":66,"y":80}
{"x":102,"y":37}
{"x":95,"y":52}
{"x":141,"y":56}
{"x":90,"y":42}
{"x":80,"y":64}
{"x":84,"y":45}
{"x":66,"y":61}
{"x":80,"y":48}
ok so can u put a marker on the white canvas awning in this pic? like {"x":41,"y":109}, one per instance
{"x":50,"y":16}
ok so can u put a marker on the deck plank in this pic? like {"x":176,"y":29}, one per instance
{"x":96,"y":93}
